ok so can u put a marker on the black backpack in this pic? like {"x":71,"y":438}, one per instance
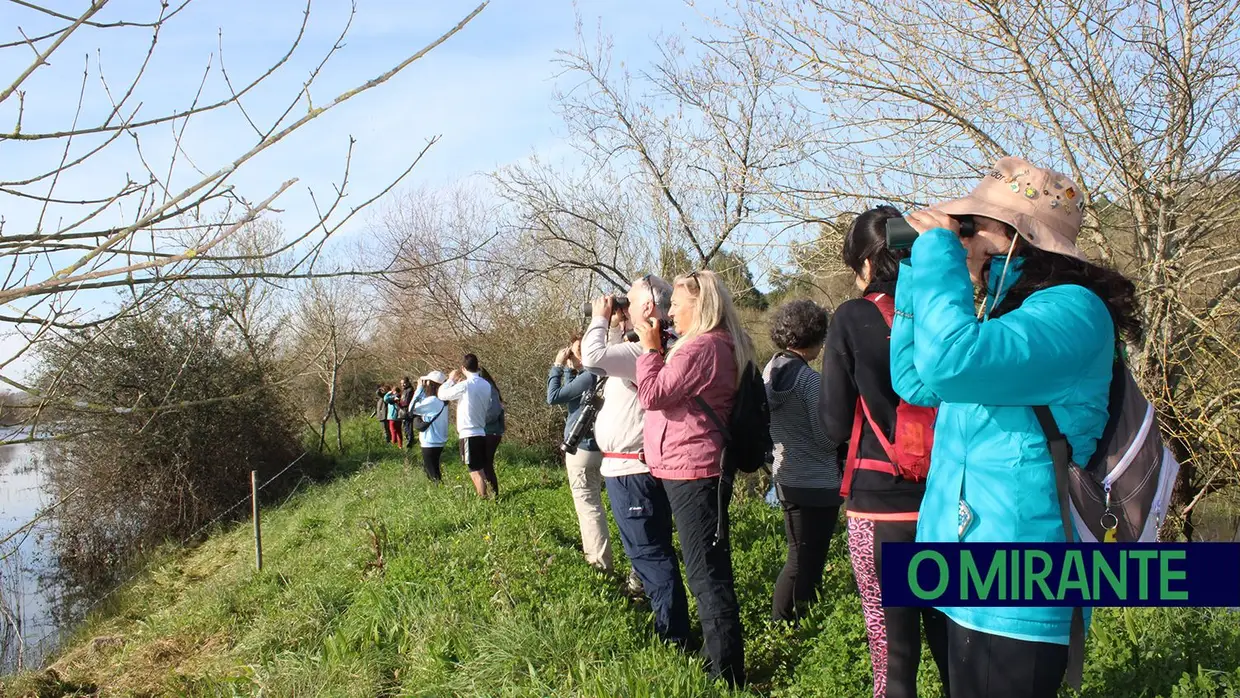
{"x":746,"y":439}
{"x":747,"y":436}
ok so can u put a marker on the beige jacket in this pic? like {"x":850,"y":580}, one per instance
{"x":618,"y":426}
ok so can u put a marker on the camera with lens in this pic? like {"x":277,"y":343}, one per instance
{"x":901,"y":235}
{"x":665,"y":334}
{"x":619,"y":301}
{"x":592,"y":402}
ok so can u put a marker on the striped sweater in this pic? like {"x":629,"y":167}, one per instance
{"x":805,"y":465}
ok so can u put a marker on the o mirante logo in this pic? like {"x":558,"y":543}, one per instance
{"x":987,"y":574}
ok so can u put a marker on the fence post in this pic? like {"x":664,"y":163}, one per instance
{"x":258,"y":530}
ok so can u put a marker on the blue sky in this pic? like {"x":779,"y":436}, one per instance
{"x":487,"y":92}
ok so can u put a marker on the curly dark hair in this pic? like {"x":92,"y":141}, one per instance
{"x":799,"y":325}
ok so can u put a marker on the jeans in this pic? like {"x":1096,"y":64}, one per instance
{"x":708,"y":569}
{"x":586,"y":484}
{"x":431,"y":457}
{"x":894,"y":633}
{"x":992,"y":665}
{"x":644,"y":518}
{"x":808,"y":530}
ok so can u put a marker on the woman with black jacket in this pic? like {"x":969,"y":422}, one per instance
{"x":881,"y":507}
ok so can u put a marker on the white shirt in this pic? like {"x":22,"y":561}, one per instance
{"x":474,"y":394}
{"x":618,"y":426}
{"x":431,"y":407}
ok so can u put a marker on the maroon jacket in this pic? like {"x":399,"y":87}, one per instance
{"x":681,"y":441}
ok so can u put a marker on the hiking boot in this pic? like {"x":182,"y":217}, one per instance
{"x":635,"y":584}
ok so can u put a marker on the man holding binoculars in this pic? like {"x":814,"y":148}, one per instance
{"x":638,"y":501}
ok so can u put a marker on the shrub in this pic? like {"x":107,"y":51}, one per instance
{"x":169,"y":415}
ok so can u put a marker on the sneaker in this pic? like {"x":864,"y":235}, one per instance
{"x":635,"y":584}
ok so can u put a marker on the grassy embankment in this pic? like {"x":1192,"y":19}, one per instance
{"x":382,"y":584}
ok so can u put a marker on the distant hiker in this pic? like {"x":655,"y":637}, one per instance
{"x":406,"y":417}
{"x":394,"y":418}
{"x":804,"y":466}
{"x":429,"y":417}
{"x":472,"y":394}
{"x":494,"y":429}
{"x":568,"y":384}
{"x":381,"y":412}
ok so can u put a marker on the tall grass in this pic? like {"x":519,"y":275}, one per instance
{"x":384,"y":584}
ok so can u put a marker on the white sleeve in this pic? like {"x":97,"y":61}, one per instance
{"x":617,"y":359}
{"x":450,"y":391}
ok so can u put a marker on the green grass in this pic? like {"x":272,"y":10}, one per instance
{"x":480,"y":598}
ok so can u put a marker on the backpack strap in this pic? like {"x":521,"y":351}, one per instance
{"x":723,"y":429}
{"x":888,"y":448}
{"x":1061,"y":457}
{"x":886,"y":305}
{"x":852,"y":463}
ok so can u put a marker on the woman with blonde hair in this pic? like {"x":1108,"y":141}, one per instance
{"x":683,"y":447}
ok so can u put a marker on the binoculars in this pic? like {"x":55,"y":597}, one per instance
{"x":901,"y":235}
{"x":619,"y":301}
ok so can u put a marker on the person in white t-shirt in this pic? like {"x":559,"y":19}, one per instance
{"x":472,"y":393}
{"x":427,"y":405}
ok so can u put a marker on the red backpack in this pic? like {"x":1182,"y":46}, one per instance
{"x":909,"y":456}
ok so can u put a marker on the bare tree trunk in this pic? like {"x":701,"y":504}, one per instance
{"x":331,"y":398}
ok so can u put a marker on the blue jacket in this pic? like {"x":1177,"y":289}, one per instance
{"x":566,"y":387}
{"x":1056,"y":349}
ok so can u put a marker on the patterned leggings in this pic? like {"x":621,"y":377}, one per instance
{"x":894,"y":633}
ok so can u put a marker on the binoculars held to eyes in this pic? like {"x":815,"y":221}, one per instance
{"x":901,"y":235}
{"x":619,"y":301}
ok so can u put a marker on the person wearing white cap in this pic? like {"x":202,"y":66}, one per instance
{"x":433,"y":430}
{"x":1047,"y":334}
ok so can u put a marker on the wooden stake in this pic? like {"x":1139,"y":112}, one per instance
{"x":258,"y":530}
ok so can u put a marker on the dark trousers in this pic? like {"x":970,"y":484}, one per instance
{"x":985,"y":665}
{"x":431,"y":458}
{"x":708,"y":569}
{"x":489,"y":471}
{"x":387,"y":430}
{"x":411,"y":434}
{"x":808,"y":530}
{"x":644,"y":518}
{"x":894,"y":633}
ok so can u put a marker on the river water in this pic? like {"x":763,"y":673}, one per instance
{"x":28,"y":594}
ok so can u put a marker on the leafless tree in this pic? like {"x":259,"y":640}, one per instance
{"x":1138,"y":101}
{"x":683,"y":160}
{"x":121,"y":239}
{"x":331,"y":329}
{"x":467,"y":286}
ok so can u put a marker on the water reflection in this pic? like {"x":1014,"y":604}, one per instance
{"x":29,"y":593}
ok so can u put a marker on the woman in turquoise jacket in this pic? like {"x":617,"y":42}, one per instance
{"x":1047,"y":335}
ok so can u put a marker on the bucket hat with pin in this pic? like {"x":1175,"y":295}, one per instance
{"x":1045,"y":207}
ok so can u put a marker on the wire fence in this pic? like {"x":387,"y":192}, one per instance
{"x":13,"y":621}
